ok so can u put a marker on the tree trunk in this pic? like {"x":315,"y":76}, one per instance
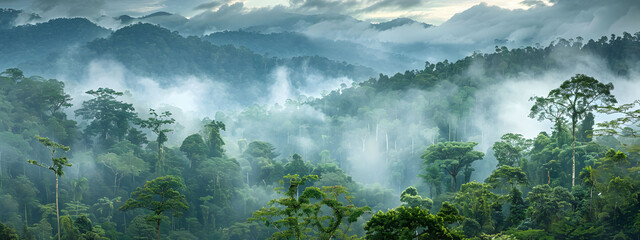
{"x":573,"y":153}
{"x":455,"y":182}
{"x":57,"y":207}
{"x":386,"y":137}
{"x":591,"y":200}
{"x":115,"y":184}
{"x":158,"y":229}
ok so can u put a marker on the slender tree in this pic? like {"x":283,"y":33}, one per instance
{"x":213,"y":139}
{"x":155,"y":123}
{"x":56,"y":167}
{"x":575,"y":98}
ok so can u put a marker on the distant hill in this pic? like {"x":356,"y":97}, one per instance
{"x":64,"y":47}
{"x":383,"y":26}
{"x":9,"y":16}
{"x":292,"y":44}
{"x":155,"y":51}
{"x":36,"y":42}
{"x":164,"y":19}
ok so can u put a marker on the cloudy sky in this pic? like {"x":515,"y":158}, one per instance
{"x":429,"y":11}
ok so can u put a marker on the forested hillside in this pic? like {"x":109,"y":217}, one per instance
{"x":290,"y":44}
{"x":68,"y":47}
{"x":29,"y":44}
{"x":407,"y":156}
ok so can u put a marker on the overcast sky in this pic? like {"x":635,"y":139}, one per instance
{"x":429,"y":11}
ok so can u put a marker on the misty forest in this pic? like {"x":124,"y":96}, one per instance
{"x":319,"y":119}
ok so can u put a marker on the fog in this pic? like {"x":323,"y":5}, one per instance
{"x":375,"y":130}
{"x":331,"y":21}
{"x":380,"y":145}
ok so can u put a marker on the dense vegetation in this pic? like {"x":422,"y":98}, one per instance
{"x":291,"y":44}
{"x":68,"y":46}
{"x":122,"y":176}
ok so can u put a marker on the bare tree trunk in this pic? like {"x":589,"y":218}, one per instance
{"x":57,"y":207}
{"x":411,"y":145}
{"x":386,"y":137}
{"x":115,"y":184}
{"x":455,"y":182}
{"x":573,"y":154}
{"x":158,"y":229}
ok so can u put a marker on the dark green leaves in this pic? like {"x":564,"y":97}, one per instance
{"x":159,"y":195}
{"x":110,"y":118}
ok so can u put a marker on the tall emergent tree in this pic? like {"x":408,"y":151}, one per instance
{"x":110,"y":118}
{"x":213,"y":139}
{"x":452,"y":157}
{"x":56,"y":166}
{"x":575,"y":98}
{"x":287,"y":213}
{"x":158,"y":195}
{"x":155,"y":123}
{"x":294,"y":214}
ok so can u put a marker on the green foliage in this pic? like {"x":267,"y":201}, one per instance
{"x":56,"y":167}
{"x":68,"y":230}
{"x":477,"y":202}
{"x":575,"y":98}
{"x":506,"y":174}
{"x":57,"y":163}
{"x":410,"y":199}
{"x":532,"y":234}
{"x":603,"y":205}
{"x":327,"y":226}
{"x":195,"y":149}
{"x":252,"y":230}
{"x":110,"y":118}
{"x":8,"y":233}
{"x":585,"y":132}
{"x":512,"y":149}
{"x":287,"y":214}
{"x":622,"y":125}
{"x":106,"y":206}
{"x":219,"y":179}
{"x":261,"y":157}
{"x":547,"y":205}
{"x":295,"y":214}
{"x":408,"y":223}
{"x":214,"y":141}
{"x":140,"y":228}
{"x":297,"y":166}
{"x":451,"y":157}
{"x":121,"y":165}
{"x":158,"y":195}
{"x":155,"y":123}
{"x":517,"y":210}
